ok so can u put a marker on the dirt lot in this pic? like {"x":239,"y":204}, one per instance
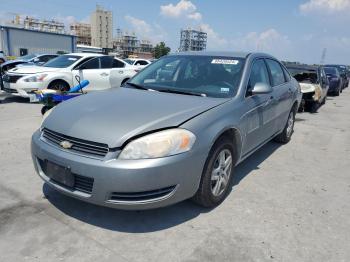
{"x":289,"y":203}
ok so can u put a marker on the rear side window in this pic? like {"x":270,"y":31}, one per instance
{"x":118,"y":64}
{"x":106,"y":62}
{"x":277,"y":73}
{"x":141,"y":62}
{"x":258,"y":74}
{"x":286,"y":74}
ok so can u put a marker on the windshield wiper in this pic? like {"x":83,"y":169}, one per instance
{"x":138,"y":86}
{"x":182,"y":92}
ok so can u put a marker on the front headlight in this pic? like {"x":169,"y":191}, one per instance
{"x":160,"y":144}
{"x":36,"y":78}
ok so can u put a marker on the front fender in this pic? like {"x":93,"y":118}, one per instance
{"x":210,"y":125}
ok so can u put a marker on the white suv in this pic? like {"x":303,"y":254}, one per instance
{"x":60,"y":74}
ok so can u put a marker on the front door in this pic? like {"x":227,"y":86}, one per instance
{"x":92,"y":71}
{"x":258,"y":122}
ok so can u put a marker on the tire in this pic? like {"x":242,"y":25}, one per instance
{"x":314,"y":107}
{"x":44,"y":109}
{"x":337,"y":93}
{"x":124,"y":81}
{"x":59,"y":85}
{"x":214,"y":185}
{"x":288,"y":130}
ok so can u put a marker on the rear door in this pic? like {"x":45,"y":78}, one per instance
{"x":282,"y":93}
{"x":323,"y":82}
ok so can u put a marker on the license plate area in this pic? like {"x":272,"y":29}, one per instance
{"x":60,"y":174}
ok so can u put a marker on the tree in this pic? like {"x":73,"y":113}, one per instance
{"x":161,"y":49}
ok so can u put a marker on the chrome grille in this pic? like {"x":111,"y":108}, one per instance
{"x":11,"y":78}
{"x":78,"y":145}
{"x":142,"y":196}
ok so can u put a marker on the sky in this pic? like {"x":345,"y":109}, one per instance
{"x":293,"y":30}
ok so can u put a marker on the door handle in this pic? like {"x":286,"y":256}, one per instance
{"x":104,"y":74}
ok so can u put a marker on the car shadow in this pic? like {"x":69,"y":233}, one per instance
{"x":13,"y":99}
{"x":147,"y":220}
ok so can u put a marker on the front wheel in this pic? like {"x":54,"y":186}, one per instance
{"x":216,"y":177}
{"x":59,"y":85}
{"x":288,"y":130}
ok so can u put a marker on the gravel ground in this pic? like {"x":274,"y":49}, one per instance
{"x":288,"y":203}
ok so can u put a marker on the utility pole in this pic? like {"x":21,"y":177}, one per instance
{"x":323,"y":57}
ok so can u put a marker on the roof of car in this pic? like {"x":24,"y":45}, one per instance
{"x":85,"y":54}
{"x":214,"y":53}
{"x":301,"y":67}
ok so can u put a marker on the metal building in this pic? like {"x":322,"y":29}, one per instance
{"x":193,"y":40}
{"x":20,"y":41}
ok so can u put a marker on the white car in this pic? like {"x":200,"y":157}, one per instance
{"x":61,"y":74}
{"x":138,"y":63}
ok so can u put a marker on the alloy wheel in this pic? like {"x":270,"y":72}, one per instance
{"x":221,"y":172}
{"x":290,"y":124}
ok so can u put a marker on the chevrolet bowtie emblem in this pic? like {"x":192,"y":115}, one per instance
{"x":66,"y":144}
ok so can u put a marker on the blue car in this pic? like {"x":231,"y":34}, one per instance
{"x":335,"y":80}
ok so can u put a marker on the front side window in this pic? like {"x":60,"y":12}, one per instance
{"x":205,"y":75}
{"x":91,"y":64}
{"x":258,"y":74}
{"x":276,"y":72}
{"x":62,"y":61}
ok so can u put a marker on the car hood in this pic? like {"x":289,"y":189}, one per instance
{"x":10,"y":62}
{"x":116,"y":115}
{"x":33,"y":69}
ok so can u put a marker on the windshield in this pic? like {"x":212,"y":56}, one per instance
{"x":331,"y":71}
{"x":304,"y":75}
{"x":205,"y":75}
{"x":130,"y":62}
{"x":62,"y":61}
{"x":27,"y":57}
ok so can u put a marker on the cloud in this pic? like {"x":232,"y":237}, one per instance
{"x":154,"y":33}
{"x":269,"y":41}
{"x":195,"y":16}
{"x":184,"y":8}
{"x":214,"y":39}
{"x":140,"y":26}
{"x":325,"y":6}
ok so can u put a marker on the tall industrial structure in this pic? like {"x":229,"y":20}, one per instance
{"x":83,"y":33}
{"x":32,"y":23}
{"x":128,"y":45}
{"x":193,"y":40}
{"x":102,"y":28}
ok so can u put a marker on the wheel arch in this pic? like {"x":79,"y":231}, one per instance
{"x":58,"y":80}
{"x":234,"y":134}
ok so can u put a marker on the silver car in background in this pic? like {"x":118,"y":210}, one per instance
{"x":174,"y":132}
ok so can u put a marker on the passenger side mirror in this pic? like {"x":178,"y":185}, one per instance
{"x":261,"y":88}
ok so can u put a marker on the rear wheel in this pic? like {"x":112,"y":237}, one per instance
{"x":337,"y":93}
{"x":59,"y":85}
{"x":288,"y":130}
{"x":216,"y":177}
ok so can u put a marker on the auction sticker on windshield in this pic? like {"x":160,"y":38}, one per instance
{"x":225,"y":61}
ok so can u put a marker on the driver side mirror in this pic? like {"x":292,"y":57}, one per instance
{"x":261,"y":88}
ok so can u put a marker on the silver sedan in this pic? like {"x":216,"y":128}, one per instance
{"x":175,"y":131}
